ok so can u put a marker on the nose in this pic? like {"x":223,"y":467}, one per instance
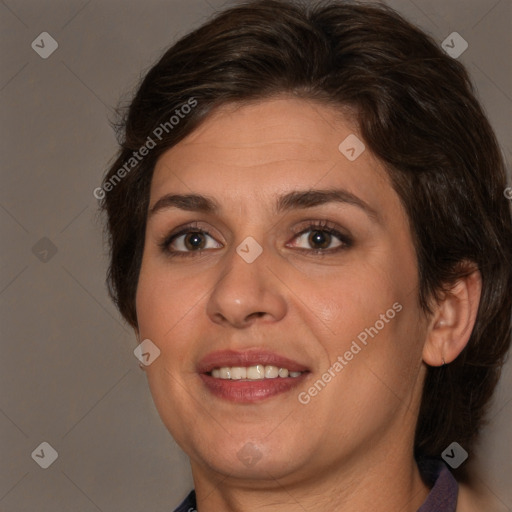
{"x":245,"y":293}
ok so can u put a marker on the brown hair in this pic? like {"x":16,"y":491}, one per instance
{"x":416,"y":112}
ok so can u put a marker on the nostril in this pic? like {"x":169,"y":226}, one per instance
{"x":256,"y":315}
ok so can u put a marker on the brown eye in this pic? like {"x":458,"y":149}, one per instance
{"x":194,"y":241}
{"x":189,"y":241}
{"x":320,"y":239}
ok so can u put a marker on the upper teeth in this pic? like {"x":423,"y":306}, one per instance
{"x":252,"y":372}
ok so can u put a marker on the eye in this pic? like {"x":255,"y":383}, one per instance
{"x":189,"y":240}
{"x":320,"y":238}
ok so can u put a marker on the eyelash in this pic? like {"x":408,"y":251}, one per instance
{"x":321,"y":226}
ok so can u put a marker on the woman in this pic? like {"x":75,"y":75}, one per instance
{"x":310,"y":239}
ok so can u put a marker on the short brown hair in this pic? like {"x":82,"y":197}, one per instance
{"x":417,"y":113}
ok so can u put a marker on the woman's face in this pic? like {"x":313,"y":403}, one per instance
{"x":299,"y":257}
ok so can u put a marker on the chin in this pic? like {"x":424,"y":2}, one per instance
{"x":245,"y":455}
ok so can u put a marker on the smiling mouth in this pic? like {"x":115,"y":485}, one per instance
{"x":249,"y":376}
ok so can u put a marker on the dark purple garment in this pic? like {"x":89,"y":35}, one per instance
{"x":189,"y":505}
{"x":435,"y":473}
{"x":444,"y":488}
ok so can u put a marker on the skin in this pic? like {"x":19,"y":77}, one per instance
{"x":351,"y":447}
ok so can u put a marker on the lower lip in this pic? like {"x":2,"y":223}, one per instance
{"x":250,"y":391}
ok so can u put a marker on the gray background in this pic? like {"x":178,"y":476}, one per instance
{"x":68,"y":374}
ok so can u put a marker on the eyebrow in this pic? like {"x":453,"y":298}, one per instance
{"x":298,"y":199}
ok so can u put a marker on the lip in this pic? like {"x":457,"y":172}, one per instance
{"x":245,"y":391}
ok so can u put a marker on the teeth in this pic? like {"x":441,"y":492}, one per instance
{"x":283,"y":372}
{"x":238,"y":372}
{"x":224,"y":373}
{"x":257,"y":372}
{"x":271,"y":372}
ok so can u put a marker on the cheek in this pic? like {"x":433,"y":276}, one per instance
{"x":162,"y":312}
{"x":163,"y":300}
{"x":373,"y":318}
{"x":353,"y":299}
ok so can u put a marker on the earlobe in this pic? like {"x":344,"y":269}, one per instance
{"x":452,"y":322}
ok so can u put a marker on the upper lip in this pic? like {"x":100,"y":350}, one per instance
{"x":251,"y":357}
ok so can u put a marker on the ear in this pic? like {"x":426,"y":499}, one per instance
{"x":453,"y":320}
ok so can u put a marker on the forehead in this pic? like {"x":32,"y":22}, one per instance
{"x":280,"y":124}
{"x":270,"y":146}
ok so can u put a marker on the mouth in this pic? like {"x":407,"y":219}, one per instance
{"x":249,"y":376}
